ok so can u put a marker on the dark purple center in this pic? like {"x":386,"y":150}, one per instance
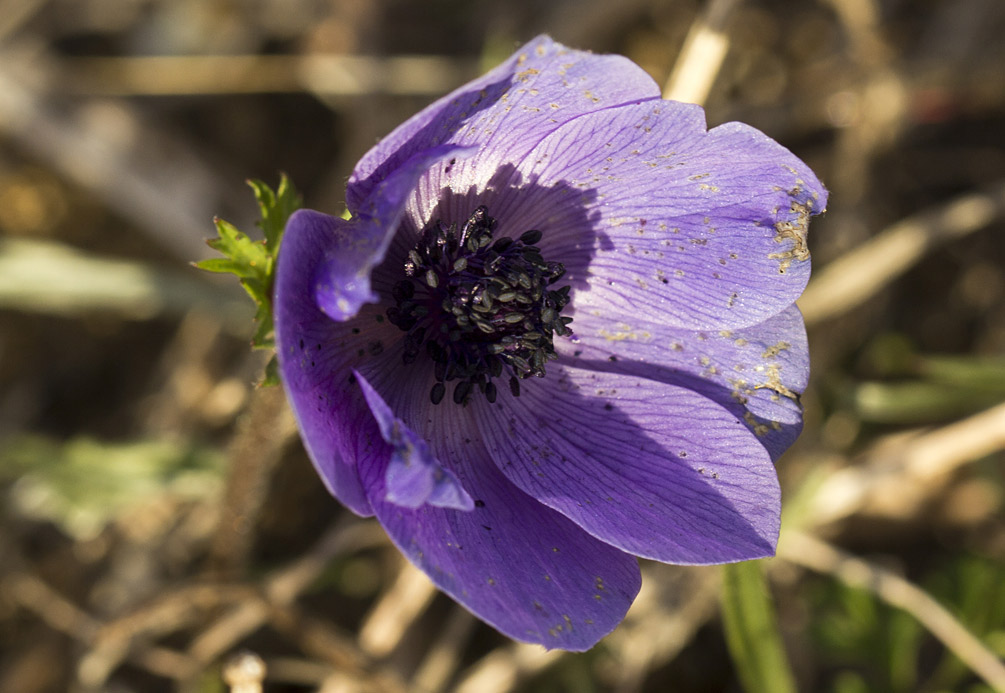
{"x":479,"y":308}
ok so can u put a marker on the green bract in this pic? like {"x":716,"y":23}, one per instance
{"x":254,"y":261}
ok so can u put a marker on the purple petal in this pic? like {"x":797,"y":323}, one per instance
{"x":653,"y":469}
{"x":414,"y":475}
{"x":523,"y":568}
{"x":506,"y":112}
{"x":343,"y":277}
{"x":758,"y":372}
{"x":316,"y":357}
{"x":686,"y":228}
{"x":685,"y":250}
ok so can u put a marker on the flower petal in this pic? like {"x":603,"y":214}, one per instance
{"x":315,"y":357}
{"x":414,"y":475}
{"x":523,"y":568}
{"x":343,"y":277}
{"x":653,"y":469}
{"x":758,"y":372}
{"x":506,"y":112}
{"x":693,"y":229}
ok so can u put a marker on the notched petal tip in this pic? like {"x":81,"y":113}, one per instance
{"x":414,"y":476}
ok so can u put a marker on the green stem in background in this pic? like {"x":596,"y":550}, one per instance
{"x":751,"y":630}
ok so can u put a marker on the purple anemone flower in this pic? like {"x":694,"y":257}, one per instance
{"x":557,"y":333}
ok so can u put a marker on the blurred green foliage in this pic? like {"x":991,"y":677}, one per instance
{"x":873,"y":647}
{"x":752,"y":630}
{"x":83,"y":484}
{"x":918,"y":388}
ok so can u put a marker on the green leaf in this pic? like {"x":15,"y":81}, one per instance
{"x":986,"y":374}
{"x":245,"y":257}
{"x":271,"y":376}
{"x":919,"y":401}
{"x":263,"y":337}
{"x":254,"y":261}
{"x":917,"y":388}
{"x":751,"y":631}
{"x":276,"y":208}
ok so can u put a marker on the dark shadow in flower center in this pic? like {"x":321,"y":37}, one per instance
{"x":566,"y":216}
{"x":480,"y":292}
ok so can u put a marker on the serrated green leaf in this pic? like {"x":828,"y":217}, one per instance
{"x":254,"y":261}
{"x":256,"y":288}
{"x":250,"y":256}
{"x":262,"y":338}
{"x":276,"y":208}
{"x":219,"y":265}
{"x":751,"y":631}
{"x":271,"y":377}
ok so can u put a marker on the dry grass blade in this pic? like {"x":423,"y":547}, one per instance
{"x":675,"y":601}
{"x":58,"y":612}
{"x":404,"y":602}
{"x":158,"y":182}
{"x":701,"y":57}
{"x":441,"y":661}
{"x":900,"y":473}
{"x":330,"y":75}
{"x":280,"y":590}
{"x":93,"y":669}
{"x":855,"y":277}
{"x":503,"y":668}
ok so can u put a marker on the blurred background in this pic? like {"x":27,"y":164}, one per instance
{"x":159,"y":515}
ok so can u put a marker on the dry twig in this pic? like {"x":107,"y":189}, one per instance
{"x":900,"y":473}
{"x":404,"y":602}
{"x":702,"y":54}
{"x":860,"y":274}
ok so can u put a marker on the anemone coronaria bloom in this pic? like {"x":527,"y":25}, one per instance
{"x":557,"y":333}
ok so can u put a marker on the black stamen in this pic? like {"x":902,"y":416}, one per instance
{"x":462,"y":391}
{"x":514,"y":386}
{"x":437,"y":393}
{"x":530,"y":237}
{"x":482,"y":306}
